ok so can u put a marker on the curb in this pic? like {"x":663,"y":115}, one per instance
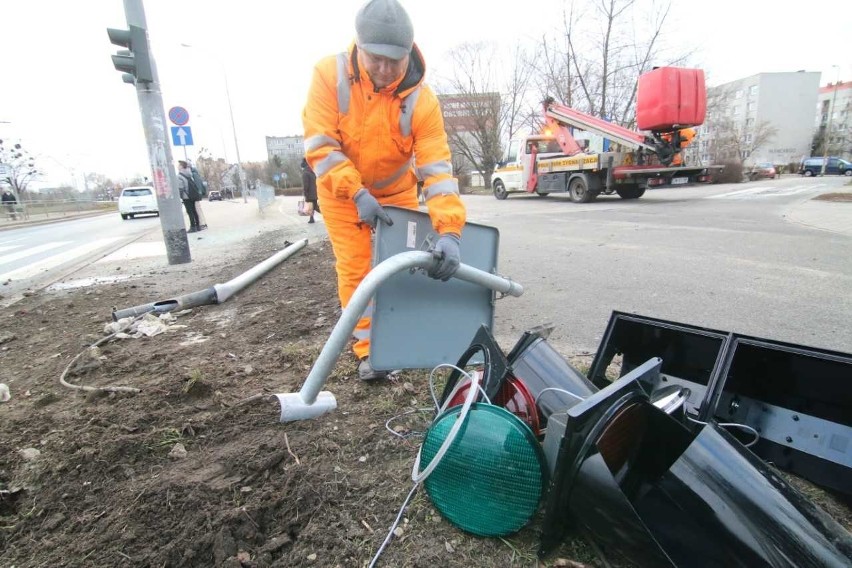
{"x":19,"y":224}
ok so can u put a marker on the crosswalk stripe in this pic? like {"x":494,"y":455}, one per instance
{"x":4,"y":249}
{"x":7,"y":241}
{"x":55,"y":260}
{"x":31,"y":251}
{"x":731,"y":194}
{"x":763,"y":191}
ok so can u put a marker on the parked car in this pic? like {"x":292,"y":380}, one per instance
{"x":137,"y":201}
{"x":763,"y":171}
{"x":835,"y":166}
{"x":214,"y":196}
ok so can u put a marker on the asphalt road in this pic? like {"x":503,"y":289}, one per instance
{"x":36,"y":255}
{"x":723,"y":257}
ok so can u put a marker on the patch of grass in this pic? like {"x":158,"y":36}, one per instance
{"x":520,"y":551}
{"x":166,"y":437}
{"x":195,"y":378}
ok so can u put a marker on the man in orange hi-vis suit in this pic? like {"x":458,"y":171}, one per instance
{"x":684,"y":137}
{"x":372,"y":128}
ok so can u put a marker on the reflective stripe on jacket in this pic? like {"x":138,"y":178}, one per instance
{"x":357,"y":137}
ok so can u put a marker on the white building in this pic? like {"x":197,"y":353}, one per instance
{"x":835,"y":99}
{"x":766,"y":117}
{"x":285,"y":147}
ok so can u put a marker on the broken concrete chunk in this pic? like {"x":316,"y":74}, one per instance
{"x":178,"y":452}
{"x":29,"y":454}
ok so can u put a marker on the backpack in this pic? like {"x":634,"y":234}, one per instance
{"x":199,"y":182}
{"x":192,"y":190}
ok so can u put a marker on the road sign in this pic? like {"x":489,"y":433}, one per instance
{"x":5,"y":171}
{"x":181,"y":136}
{"x":275,"y":177}
{"x":179,"y":115}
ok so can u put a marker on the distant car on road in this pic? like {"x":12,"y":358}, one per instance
{"x":137,"y":201}
{"x":763,"y":171}
{"x":835,"y":166}
{"x":214,"y":196}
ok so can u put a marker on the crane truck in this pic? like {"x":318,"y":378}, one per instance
{"x":670,"y":101}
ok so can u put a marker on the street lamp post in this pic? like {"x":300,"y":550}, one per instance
{"x":827,"y":137}
{"x":233,"y":125}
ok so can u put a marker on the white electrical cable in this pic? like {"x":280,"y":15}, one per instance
{"x":394,"y":525}
{"x":455,"y":390}
{"x":580,"y":398}
{"x":732,"y":425}
{"x":418,"y":476}
{"x":398,"y":416}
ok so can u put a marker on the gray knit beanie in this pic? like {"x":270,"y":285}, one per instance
{"x":384,"y":28}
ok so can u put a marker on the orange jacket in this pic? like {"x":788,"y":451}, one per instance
{"x":356,"y":137}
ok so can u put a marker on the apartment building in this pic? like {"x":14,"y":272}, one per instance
{"x":285,"y":147}
{"x":835,"y":100}
{"x":767,"y":117}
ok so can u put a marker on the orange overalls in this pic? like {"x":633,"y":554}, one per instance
{"x":686,"y":135}
{"x":357,"y":137}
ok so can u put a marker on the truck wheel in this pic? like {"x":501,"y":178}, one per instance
{"x":500,"y":190}
{"x":124,"y":217}
{"x":808,"y":173}
{"x":578,"y":191}
{"x":630,"y":192}
{"x":546,"y":194}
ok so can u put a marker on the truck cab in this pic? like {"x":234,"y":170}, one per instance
{"x":513,"y":171}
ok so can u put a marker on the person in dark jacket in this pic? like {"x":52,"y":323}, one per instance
{"x":9,"y":202}
{"x":202,"y":187}
{"x":309,"y":188}
{"x":189,"y":194}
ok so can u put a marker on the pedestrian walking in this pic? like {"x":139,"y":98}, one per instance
{"x":372,"y":129}
{"x":189,"y":194}
{"x":10,"y":204}
{"x":309,"y":190}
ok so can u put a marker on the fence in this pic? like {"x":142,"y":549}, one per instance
{"x":52,"y":208}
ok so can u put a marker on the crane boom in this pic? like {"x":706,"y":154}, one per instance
{"x":565,"y":115}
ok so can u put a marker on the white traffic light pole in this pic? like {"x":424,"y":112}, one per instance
{"x":159,"y":149}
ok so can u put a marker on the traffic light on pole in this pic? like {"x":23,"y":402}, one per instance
{"x":134,"y":62}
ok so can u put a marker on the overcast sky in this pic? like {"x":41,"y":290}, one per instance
{"x":65,"y":102}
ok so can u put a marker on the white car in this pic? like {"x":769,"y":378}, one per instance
{"x":137,"y":201}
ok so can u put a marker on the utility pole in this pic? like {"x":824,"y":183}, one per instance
{"x":139,"y":68}
{"x":827,"y":137}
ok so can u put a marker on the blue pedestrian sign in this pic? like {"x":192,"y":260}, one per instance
{"x":179,"y":115}
{"x":181,"y":136}
{"x":276,"y":177}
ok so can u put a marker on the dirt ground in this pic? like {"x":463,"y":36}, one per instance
{"x":839,"y":197}
{"x":100,"y":479}
{"x":250,"y":491}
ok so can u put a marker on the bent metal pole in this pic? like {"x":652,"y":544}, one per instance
{"x":309,"y":402}
{"x":217,"y":293}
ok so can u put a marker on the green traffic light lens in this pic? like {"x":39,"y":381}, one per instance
{"x":490,"y":481}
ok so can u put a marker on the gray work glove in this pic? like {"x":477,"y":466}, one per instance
{"x":369,"y":210}
{"x":447,"y":251}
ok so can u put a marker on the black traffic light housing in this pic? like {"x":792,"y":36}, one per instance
{"x":134,"y":62}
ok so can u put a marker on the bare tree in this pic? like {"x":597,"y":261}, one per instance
{"x":593,"y":63}
{"x":483,"y":101}
{"x":215,"y":171}
{"x":20,"y":168}
{"x":471,"y":107}
{"x":734,"y":141}
{"x":729,"y":137}
{"x":515,"y":112}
